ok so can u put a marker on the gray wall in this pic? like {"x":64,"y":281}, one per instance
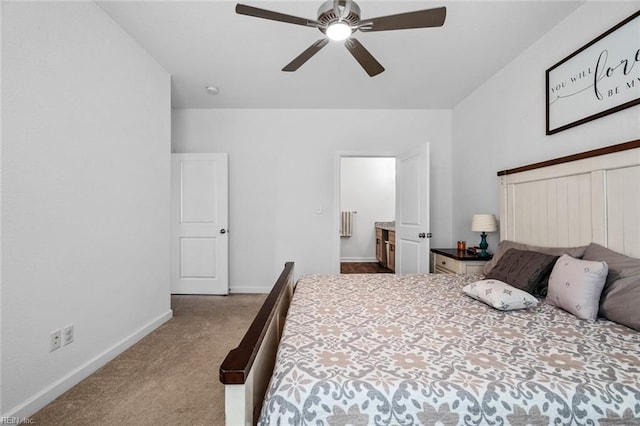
{"x":283,"y":167}
{"x":501,"y":125}
{"x":85,"y":196}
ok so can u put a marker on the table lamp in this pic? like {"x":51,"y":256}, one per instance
{"x":484,"y":223}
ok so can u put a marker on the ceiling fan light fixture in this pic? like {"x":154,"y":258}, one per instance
{"x":338,"y":31}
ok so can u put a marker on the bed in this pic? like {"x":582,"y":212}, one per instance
{"x":414,"y":349}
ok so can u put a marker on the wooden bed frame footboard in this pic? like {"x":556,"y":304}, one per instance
{"x":246,"y":370}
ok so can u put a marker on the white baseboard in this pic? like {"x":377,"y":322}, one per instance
{"x":358,"y":259}
{"x":44,"y":397}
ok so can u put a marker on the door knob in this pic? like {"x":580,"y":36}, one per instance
{"x":223,"y":231}
{"x":422,"y":235}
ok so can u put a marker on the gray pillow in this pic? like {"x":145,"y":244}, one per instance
{"x":575,"y":285}
{"x":505,"y":245}
{"x":621,"y":295}
{"x":524,"y":269}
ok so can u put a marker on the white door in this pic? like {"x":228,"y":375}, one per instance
{"x":199,"y":221}
{"x":412,"y":211}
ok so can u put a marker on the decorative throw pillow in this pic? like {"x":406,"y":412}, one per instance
{"x":621,"y":295}
{"x":500,"y":295}
{"x":575,"y":285}
{"x":505,"y":245}
{"x":524,"y":269}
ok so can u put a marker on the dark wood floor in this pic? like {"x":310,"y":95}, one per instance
{"x":363,"y":268}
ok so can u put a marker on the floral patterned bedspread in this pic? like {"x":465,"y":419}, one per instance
{"x":413,"y":349}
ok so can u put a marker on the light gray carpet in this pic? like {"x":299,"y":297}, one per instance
{"x":168,"y":378}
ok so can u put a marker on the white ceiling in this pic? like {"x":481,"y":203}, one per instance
{"x":203,"y":43}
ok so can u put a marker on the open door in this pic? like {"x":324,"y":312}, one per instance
{"x":199,"y":221}
{"x":412,"y":211}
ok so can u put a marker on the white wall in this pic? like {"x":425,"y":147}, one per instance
{"x":1,"y":115}
{"x":283,"y":168}
{"x":501,"y":125}
{"x":85,"y":187}
{"x":367,"y":186}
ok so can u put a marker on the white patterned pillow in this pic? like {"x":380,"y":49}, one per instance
{"x":575,"y":285}
{"x":500,"y":295}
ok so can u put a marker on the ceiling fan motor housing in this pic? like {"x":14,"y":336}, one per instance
{"x":327,"y":15}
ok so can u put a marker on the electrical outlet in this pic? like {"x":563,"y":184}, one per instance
{"x":67,"y":335}
{"x":55,"y":340}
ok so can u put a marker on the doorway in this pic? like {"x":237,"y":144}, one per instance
{"x":367,"y":197}
{"x":410,"y":217}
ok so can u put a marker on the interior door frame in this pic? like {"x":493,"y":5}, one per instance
{"x":336,"y":200}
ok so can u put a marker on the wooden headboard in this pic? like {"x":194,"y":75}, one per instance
{"x":593,"y":196}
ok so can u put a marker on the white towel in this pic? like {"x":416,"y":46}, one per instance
{"x":346,"y":223}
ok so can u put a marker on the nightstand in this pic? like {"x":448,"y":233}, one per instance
{"x":453,"y":261}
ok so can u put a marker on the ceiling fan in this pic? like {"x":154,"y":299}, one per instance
{"x":340,"y":19}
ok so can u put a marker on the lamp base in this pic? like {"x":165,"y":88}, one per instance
{"x":483,"y":245}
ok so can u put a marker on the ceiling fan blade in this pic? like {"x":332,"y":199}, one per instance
{"x":243,"y":9}
{"x":306,"y":55}
{"x":418,"y":19}
{"x":362,"y":55}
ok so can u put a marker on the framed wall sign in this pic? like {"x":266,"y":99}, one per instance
{"x":600,"y":78}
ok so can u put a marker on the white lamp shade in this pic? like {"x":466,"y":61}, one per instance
{"x":484,"y":223}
